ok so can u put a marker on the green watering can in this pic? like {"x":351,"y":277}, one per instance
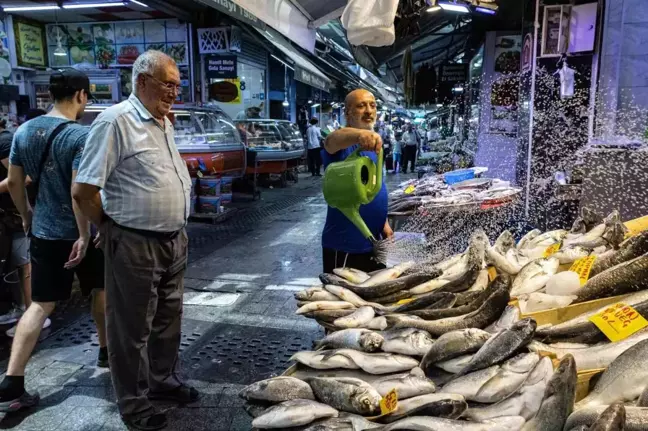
{"x":353,"y":182}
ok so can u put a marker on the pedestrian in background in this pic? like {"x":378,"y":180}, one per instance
{"x":410,"y":145}
{"x":314,"y":136}
{"x":134,"y":184}
{"x":397,"y":150}
{"x":48,"y":149}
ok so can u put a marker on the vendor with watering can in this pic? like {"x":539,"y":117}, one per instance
{"x":343,"y":244}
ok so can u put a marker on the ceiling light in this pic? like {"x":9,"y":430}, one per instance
{"x":310,"y":101}
{"x":59,"y":51}
{"x":485,"y":10}
{"x":138,"y":3}
{"x":434,"y":9}
{"x":439,"y":105}
{"x":286,"y":103}
{"x":91,"y":5}
{"x":454,"y":7}
{"x":315,"y":105}
{"x":27,"y":8}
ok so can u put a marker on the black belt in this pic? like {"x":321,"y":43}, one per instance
{"x":150,"y":233}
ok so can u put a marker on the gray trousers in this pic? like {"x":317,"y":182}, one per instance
{"x":144,"y":288}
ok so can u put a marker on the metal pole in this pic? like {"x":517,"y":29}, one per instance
{"x":536,"y":25}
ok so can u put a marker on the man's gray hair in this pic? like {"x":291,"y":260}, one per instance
{"x":147,"y":63}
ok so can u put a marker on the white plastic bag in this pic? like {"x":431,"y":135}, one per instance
{"x":370,"y":22}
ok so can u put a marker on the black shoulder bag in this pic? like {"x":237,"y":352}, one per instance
{"x":41,"y":166}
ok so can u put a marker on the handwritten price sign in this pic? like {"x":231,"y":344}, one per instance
{"x":582,"y":267}
{"x":389,"y":403}
{"x":409,"y":190}
{"x":619,"y":321}
{"x":552,"y":249}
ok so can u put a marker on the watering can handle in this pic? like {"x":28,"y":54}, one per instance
{"x":379,"y":174}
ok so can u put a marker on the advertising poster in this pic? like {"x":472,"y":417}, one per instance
{"x":29,"y":44}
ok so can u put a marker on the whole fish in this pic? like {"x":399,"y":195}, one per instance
{"x":454,"y":365}
{"x":428,"y":301}
{"x":344,"y":294}
{"x":344,"y":422}
{"x":558,"y":401}
{"x":454,"y":344}
{"x":392,"y":286}
{"x":378,"y":363}
{"x":450,"y":406}
{"x":586,"y":221}
{"x":386,"y":274}
{"x":610,"y":233}
{"x":624,"y":278}
{"x":504,"y":242}
{"x":255,"y":409}
{"x":414,"y":342}
{"x":534,"y":276}
{"x":315,"y":294}
{"x":519,"y":258}
{"x":277,"y":389}
{"x":355,"y":276}
{"x":629,"y":249}
{"x":537,"y":301}
{"x":392,"y":298}
{"x":525,"y":402}
{"x":480,"y":283}
{"x":323,"y":360}
{"x":488,"y":313}
{"x":636,"y":418}
{"x":570,"y":254}
{"x":493,"y":384}
{"x":464,"y":298}
{"x":336,"y":280}
{"x":599,"y":356}
{"x":580,"y":327}
{"x":502,"y":346}
{"x":429,"y":423}
{"x":324,"y":305}
{"x":357,"y":339}
{"x":293,"y":413}
{"x":346,"y":394}
{"x":328,"y":315}
{"x":623,"y":380}
{"x":502,"y":263}
{"x":359,"y":318}
{"x":451,"y":261}
{"x":407,"y":385}
{"x":510,"y":315}
{"x":377,"y":323}
{"x":443,"y":313}
{"x":612,"y":419}
{"x":643,"y":398}
{"x":527,"y":238}
{"x":548,"y":238}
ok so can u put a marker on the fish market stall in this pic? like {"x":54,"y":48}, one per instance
{"x":505,"y":335}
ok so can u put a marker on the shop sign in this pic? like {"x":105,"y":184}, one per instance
{"x":221,"y":67}
{"x":30,"y":46}
{"x":236,"y":11}
{"x":226,"y":91}
{"x":453,"y":73}
{"x":311,"y":79}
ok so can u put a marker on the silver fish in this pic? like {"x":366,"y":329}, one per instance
{"x":323,"y":360}
{"x":623,"y":380}
{"x":347,"y":295}
{"x":377,"y":323}
{"x":315,"y":294}
{"x":378,"y":363}
{"x":454,"y":344}
{"x":510,"y":315}
{"x":558,"y":401}
{"x":504,"y":242}
{"x":358,"y":339}
{"x":293,"y":413}
{"x":414,"y":343}
{"x":454,"y":365}
{"x":324,"y":305}
{"x":353,"y":275}
{"x":480,"y":283}
{"x":277,"y":389}
{"x":345,"y":422}
{"x":612,"y":419}
{"x":449,"y":406}
{"x":328,"y":316}
{"x":359,"y":318}
{"x":407,"y":385}
{"x":346,"y":394}
{"x":548,"y":238}
{"x":429,"y":423}
{"x":527,"y":238}
{"x":570,"y":254}
{"x":629,"y":249}
{"x":636,"y":418}
{"x":643,"y":398}
{"x":387,"y":274}
{"x":534,"y":276}
{"x":624,"y":278}
{"x":502,"y":263}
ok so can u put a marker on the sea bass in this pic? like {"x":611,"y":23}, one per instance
{"x":527,"y":238}
{"x":364,"y":340}
{"x":504,"y":242}
{"x":315,"y":294}
{"x":453,"y":365}
{"x":323,"y":360}
{"x":629,"y":249}
{"x":387,"y":274}
{"x":344,"y":294}
{"x":454,"y":344}
{"x":429,"y":301}
{"x":429,"y":423}
{"x":534,"y":276}
{"x":449,"y":406}
{"x":328,"y":316}
{"x":346,"y":394}
{"x":407,"y":385}
{"x":624,"y":278}
{"x":293,"y":413}
{"x":378,"y":363}
{"x":612,"y":419}
{"x":353,"y":275}
{"x":636,"y":418}
{"x":324,"y":305}
{"x":358,"y":318}
{"x":410,"y":341}
{"x":277,"y":389}
{"x":510,"y":315}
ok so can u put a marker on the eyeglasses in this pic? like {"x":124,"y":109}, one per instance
{"x":168,"y":86}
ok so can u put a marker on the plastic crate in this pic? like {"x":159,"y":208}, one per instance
{"x":458,"y":176}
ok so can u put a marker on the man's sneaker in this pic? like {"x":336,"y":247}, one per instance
{"x":102,"y":359}
{"x":22,"y":402}
{"x":11,"y":317}
{"x":11,"y":332}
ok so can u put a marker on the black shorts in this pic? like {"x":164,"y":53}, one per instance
{"x":51,"y":282}
{"x":364,"y":262}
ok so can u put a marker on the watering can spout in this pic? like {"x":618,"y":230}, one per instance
{"x":353,"y":214}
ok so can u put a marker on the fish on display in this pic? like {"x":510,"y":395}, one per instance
{"x":488,"y":313}
{"x":328,"y":316}
{"x":377,"y":323}
{"x":611,"y":232}
{"x":358,"y":318}
{"x":407,"y":385}
{"x":429,"y":301}
{"x":429,"y":423}
{"x":566,"y":283}
{"x":558,"y":400}
{"x":527,"y":238}
{"x":547,"y":239}
{"x":453,"y":365}
{"x":323,"y":360}
{"x":386,"y":274}
{"x":537,"y":301}
{"x":643,"y":398}
{"x":392,"y":298}
{"x":502,"y":346}
{"x":636,"y":418}
{"x":358,"y":339}
{"x":534,"y":276}
{"x":494,"y":384}
{"x":277,"y":389}
{"x":389,"y":287}
{"x":410,"y":341}
{"x":480,"y":283}
{"x":355,"y":276}
{"x":346,"y":394}
{"x":508,"y":266}
{"x":450,"y":406}
{"x":504,"y":242}
{"x":315,"y":294}
{"x":454,"y":344}
{"x":627,"y":277}
{"x":344,"y":422}
{"x":623,"y":380}
{"x":256,"y":408}
{"x":378,"y":363}
{"x":571,"y":254}
{"x":629,"y":249}
{"x":525,"y":402}
{"x":293,"y":413}
{"x":443,"y":313}
{"x":612,"y":419}
{"x":510,"y":315}
{"x":587,"y":220}
{"x":347,"y":295}
{"x":324,"y":305}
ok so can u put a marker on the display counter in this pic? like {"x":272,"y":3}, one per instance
{"x":274,"y":146}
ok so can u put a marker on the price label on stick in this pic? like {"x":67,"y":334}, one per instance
{"x":552,"y":249}
{"x":583,"y":267}
{"x":409,"y":190}
{"x":389,"y":403}
{"x":619,"y":321}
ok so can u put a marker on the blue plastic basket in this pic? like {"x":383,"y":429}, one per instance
{"x":458,"y":176}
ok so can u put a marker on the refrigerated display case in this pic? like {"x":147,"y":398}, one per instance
{"x":105,"y":87}
{"x":273,"y":139}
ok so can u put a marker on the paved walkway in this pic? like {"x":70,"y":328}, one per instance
{"x":238,"y":326}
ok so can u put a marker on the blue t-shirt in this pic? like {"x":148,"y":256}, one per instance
{"x":339,"y":233}
{"x":53,"y":215}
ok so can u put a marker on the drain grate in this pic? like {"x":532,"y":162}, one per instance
{"x":244,"y":354}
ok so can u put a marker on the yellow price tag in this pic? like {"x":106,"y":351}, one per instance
{"x":582,"y":267}
{"x":552,"y":249}
{"x":389,"y":403}
{"x":409,"y":190}
{"x":619,"y":321}
{"x":492,"y":273}
{"x":405,"y":301}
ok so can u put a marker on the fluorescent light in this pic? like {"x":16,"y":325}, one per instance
{"x":286,"y":103}
{"x":485,"y":10}
{"x":315,"y":105}
{"x":91,"y":5}
{"x":454,"y":7}
{"x":310,"y":101}
{"x":439,"y":105}
{"x":281,"y":61}
{"x":138,"y":3}
{"x":434,"y":9}
{"x":26,"y":8}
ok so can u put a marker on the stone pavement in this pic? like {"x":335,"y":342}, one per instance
{"x":238,"y":326}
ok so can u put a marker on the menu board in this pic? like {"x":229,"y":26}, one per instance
{"x":30,"y":49}
{"x":115,"y":44}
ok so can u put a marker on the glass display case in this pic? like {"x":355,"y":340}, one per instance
{"x":273,"y":139}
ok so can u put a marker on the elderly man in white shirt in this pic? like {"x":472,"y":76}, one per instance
{"x":134,"y":185}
